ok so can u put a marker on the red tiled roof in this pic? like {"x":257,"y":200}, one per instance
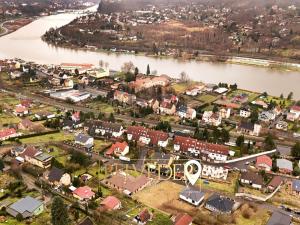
{"x":82,"y":65}
{"x":110,"y":202}
{"x":154,"y":135}
{"x":275,"y":182}
{"x":7,"y":132}
{"x":137,"y":132}
{"x":295,"y":108}
{"x":264,"y":160}
{"x":30,"y":151}
{"x":118,"y":146}
{"x":183,"y":219}
{"x":84,"y":192}
{"x":186,"y":142}
{"x":20,"y":109}
{"x":26,"y":102}
{"x":144,"y":215}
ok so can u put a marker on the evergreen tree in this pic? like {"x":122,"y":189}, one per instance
{"x":296,"y":150}
{"x":1,"y":165}
{"x":136,"y":71}
{"x":148,"y":70}
{"x":59,"y":212}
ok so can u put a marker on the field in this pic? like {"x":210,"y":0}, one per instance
{"x":100,"y":145}
{"x":251,"y":95}
{"x":166,"y":197}
{"x":181,"y":87}
{"x":102,"y":107}
{"x":227,"y":188}
{"x":6,"y":118}
{"x":206,"y":98}
{"x":56,"y":137}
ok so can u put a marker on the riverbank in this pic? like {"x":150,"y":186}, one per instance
{"x":10,"y":26}
{"x":259,"y":62}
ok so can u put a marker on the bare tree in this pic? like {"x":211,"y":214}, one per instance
{"x":128,"y":67}
{"x":184,"y":77}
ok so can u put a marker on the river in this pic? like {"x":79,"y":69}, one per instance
{"x":26,"y":44}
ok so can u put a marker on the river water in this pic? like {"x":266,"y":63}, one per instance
{"x":26,"y":44}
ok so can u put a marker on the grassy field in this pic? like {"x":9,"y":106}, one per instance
{"x":166,"y":197}
{"x":206,"y":98}
{"x":6,"y":118}
{"x":100,"y":145}
{"x":61,"y":136}
{"x":259,"y":218}
{"x":101,"y":106}
{"x":228,"y":188}
{"x":251,"y":95}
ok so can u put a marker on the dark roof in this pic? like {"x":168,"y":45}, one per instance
{"x":275,"y":182}
{"x":246,"y":125}
{"x":107,"y":126}
{"x":55,"y":174}
{"x":192,"y":193}
{"x":296,"y":185}
{"x":86,"y":221}
{"x":82,"y":138}
{"x":279,"y":218}
{"x":220,"y":203}
{"x":252,"y":177}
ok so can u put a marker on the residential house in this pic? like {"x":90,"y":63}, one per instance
{"x":274,"y":183}
{"x":83,"y":193}
{"x":8,"y":133}
{"x":225,"y":113}
{"x":20,"y":111}
{"x":124,"y":97}
{"x":253,"y":179}
{"x":111,"y":203}
{"x":192,"y":195}
{"x":167,"y":108}
{"x":211,"y":118}
{"x":249,"y":128}
{"x":25,"y":124}
{"x":27,"y":207}
{"x":143,"y":217}
{"x":284,"y":165}
{"x":279,"y":218}
{"x":266,"y":116}
{"x":147,"y":136}
{"x":295,"y":187}
{"x":26,"y":103}
{"x":160,"y":159}
{"x":118,"y":149}
{"x":221,"y":90}
{"x":186,"y":112}
{"x":127,"y":183}
{"x":296,"y":110}
{"x":37,"y":158}
{"x":149,"y":81}
{"x":245,"y":112}
{"x":75,"y":116}
{"x":260,"y":103}
{"x":264,"y":162}
{"x":84,"y":140}
{"x":195,"y":147}
{"x":42,"y":115}
{"x":71,"y":124}
{"x":215,"y":172}
{"x":58,"y":177}
{"x":98,"y":72}
{"x":97,"y":127}
{"x":18,"y":150}
{"x":291,"y":116}
{"x":220,"y":204}
{"x":182,"y":219}
{"x":282,"y":125}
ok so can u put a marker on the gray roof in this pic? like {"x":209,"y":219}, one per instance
{"x":279,"y":218}
{"x":55,"y":174}
{"x":28,"y":204}
{"x":296,"y":185}
{"x":43,"y":157}
{"x":192,"y":193}
{"x":284,"y":164}
{"x":220,"y":203}
{"x":82,"y":138}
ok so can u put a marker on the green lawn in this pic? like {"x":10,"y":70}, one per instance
{"x":251,"y":95}
{"x":101,"y":106}
{"x":61,"y":136}
{"x":8,"y":119}
{"x":100,"y":145}
{"x":206,"y":98}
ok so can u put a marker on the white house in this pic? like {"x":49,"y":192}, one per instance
{"x":211,"y":118}
{"x":245,"y":112}
{"x":192,"y":195}
{"x":84,"y":140}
